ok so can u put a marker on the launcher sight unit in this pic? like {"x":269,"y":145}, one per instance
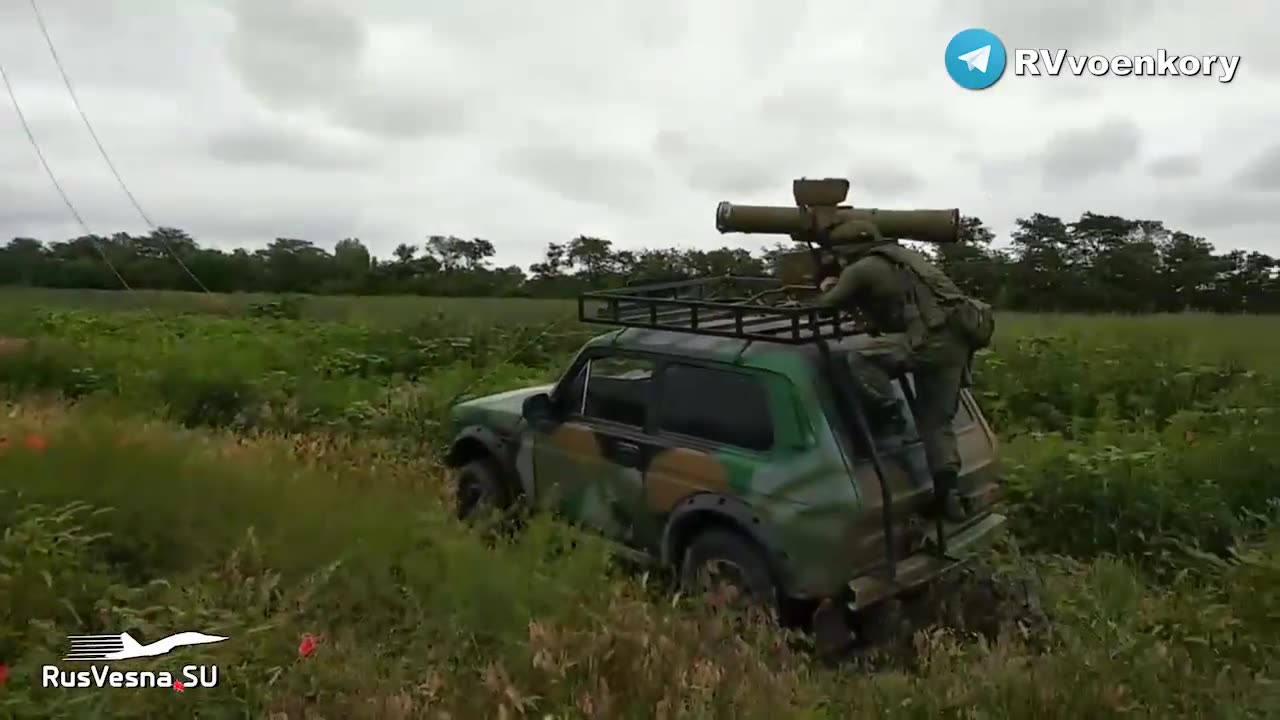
{"x":821,"y":222}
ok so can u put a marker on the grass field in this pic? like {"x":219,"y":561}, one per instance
{"x":267,"y":469}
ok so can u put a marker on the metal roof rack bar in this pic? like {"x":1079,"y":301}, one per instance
{"x":746,"y":308}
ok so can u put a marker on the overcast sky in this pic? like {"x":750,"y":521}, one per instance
{"x":531,"y":122}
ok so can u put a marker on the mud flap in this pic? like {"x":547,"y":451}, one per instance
{"x":832,"y":633}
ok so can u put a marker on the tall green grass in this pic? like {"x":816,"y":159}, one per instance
{"x":1126,"y":426}
{"x":271,"y":471}
{"x":419,"y":616}
{"x":1252,"y":340}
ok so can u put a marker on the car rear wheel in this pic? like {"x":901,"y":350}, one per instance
{"x":480,"y":489}
{"x":718,"y":557}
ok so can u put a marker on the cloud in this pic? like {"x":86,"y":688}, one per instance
{"x":1175,"y":166}
{"x":1076,"y":154}
{"x":887,"y":181}
{"x":403,"y":115}
{"x":577,"y":172}
{"x":714,"y":165}
{"x":294,"y":53}
{"x":282,"y":145}
{"x":84,"y":33}
{"x":28,"y":204}
{"x":1224,"y":211}
{"x":244,"y":120}
{"x":1263,"y":171}
{"x":1063,"y":24}
{"x":812,"y":109}
{"x":323,"y":226}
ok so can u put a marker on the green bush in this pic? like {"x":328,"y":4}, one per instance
{"x":1141,"y":470}
{"x":418,"y":615}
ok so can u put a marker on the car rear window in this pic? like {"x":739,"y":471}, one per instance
{"x":720,"y":406}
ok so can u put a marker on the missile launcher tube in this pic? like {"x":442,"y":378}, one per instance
{"x":934,"y":226}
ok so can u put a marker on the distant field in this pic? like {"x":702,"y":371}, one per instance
{"x":272,"y":471}
{"x":381,"y":311}
{"x":1252,"y":340}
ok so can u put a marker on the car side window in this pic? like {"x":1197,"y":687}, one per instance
{"x":721,"y":406}
{"x":908,"y":432}
{"x":888,"y":436}
{"x":612,"y":389}
{"x":964,"y":418}
{"x":570,"y":400}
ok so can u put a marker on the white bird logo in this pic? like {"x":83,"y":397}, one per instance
{"x":977,"y":59}
{"x":124,"y":647}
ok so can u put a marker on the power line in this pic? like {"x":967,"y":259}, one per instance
{"x":26,"y":127}
{"x":66,"y":80}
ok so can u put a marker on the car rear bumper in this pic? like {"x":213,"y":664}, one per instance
{"x":926,"y":565}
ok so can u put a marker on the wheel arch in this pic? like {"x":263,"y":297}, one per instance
{"x":474,"y":443}
{"x":713,"y":510}
{"x":477,"y":442}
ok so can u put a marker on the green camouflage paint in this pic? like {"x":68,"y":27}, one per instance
{"x":826,"y":527}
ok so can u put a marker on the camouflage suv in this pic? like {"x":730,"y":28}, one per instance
{"x":690,"y":450}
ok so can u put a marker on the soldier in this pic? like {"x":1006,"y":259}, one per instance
{"x":921,"y":322}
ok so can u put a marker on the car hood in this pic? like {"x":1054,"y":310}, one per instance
{"x":500,"y":411}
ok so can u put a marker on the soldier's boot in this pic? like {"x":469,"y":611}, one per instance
{"x":947,"y":494}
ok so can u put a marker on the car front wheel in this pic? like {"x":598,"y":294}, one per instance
{"x":718,"y":556}
{"x":480,"y":488}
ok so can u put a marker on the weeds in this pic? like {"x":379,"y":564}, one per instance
{"x":270,"y":476}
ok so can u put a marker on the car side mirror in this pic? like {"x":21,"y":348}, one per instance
{"x":537,"y":407}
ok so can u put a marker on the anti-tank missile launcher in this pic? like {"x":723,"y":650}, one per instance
{"x":818,"y":211}
{"x":817,"y":218}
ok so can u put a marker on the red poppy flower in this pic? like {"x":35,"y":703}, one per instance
{"x":36,"y":442}
{"x":307,"y":646}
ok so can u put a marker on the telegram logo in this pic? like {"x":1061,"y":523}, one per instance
{"x":975,"y":59}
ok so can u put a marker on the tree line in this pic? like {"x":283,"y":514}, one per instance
{"x":1097,"y":263}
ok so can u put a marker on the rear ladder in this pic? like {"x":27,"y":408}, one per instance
{"x":862,"y":426}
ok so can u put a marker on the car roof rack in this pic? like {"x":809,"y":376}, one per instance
{"x":744,"y":308}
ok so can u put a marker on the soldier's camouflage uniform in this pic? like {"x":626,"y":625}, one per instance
{"x":913,"y":334}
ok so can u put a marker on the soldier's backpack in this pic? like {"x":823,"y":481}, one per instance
{"x":974,"y":318}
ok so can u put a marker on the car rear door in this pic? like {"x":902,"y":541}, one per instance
{"x":715,"y":432}
{"x":906,"y":472}
{"x":974,"y":442}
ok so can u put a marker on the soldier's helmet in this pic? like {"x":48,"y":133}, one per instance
{"x":855,"y":237}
